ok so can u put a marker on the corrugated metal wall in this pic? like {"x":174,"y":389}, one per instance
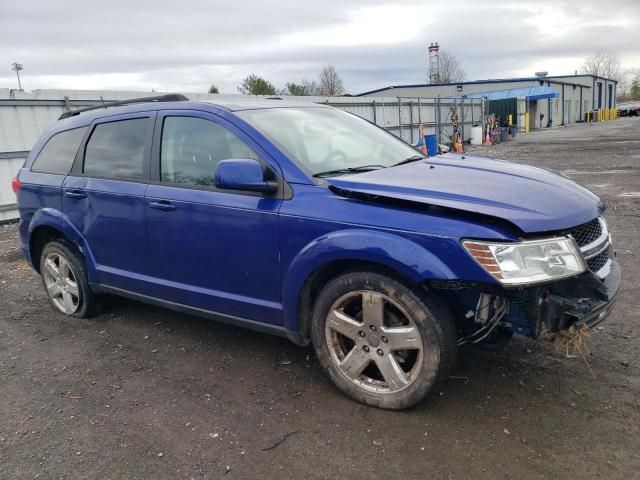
{"x":24,"y":115}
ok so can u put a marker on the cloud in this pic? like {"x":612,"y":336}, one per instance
{"x":187,"y":45}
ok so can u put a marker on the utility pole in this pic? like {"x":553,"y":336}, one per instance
{"x":434,"y":63}
{"x":17,"y":67}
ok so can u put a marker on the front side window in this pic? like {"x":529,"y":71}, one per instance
{"x":192,"y":147}
{"x":59,"y":152}
{"x":116,"y":149}
{"x":326,"y":139}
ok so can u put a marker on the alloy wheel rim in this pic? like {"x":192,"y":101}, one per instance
{"x":374,"y":342}
{"x":61,"y":283}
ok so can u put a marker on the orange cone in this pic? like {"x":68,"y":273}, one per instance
{"x":487,"y":140}
{"x":423,"y":140}
{"x":458,"y":144}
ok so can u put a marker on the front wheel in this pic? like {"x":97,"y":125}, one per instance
{"x":381,"y":342}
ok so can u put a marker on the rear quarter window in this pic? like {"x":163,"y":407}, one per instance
{"x":58,"y":154}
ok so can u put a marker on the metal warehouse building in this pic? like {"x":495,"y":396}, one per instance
{"x":540,"y":101}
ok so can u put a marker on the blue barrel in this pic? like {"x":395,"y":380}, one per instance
{"x":432,"y":145}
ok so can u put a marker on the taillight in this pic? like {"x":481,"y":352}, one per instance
{"x":15,"y":185}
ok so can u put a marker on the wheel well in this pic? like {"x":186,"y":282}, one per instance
{"x":319,"y":278}
{"x":39,"y":238}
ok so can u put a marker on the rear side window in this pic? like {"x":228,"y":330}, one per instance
{"x":116,"y":149}
{"x":192,"y":147}
{"x":59,"y":152}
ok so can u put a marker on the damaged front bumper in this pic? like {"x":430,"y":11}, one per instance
{"x":587,"y":300}
{"x":583,"y":300}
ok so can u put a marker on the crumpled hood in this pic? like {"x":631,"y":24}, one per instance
{"x":533,"y":199}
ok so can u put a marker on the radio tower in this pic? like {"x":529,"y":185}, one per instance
{"x":434,"y":63}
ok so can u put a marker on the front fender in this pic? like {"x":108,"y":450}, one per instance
{"x":383,"y":248}
{"x":49,"y":217}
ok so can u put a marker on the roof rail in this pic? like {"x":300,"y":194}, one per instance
{"x":172,"y":97}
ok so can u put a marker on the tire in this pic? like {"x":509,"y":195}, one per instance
{"x":360,"y":324}
{"x":64,"y":276}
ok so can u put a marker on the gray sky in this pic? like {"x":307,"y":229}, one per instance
{"x":185,"y":45}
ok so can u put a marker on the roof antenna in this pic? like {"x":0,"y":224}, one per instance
{"x":102,"y":100}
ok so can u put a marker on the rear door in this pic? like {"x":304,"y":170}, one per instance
{"x":212,"y":249}
{"x":103,"y":196}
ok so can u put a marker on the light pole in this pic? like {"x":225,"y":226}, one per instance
{"x":17,"y":67}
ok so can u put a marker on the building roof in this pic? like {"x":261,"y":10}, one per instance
{"x":584,"y":75}
{"x":477,"y":82}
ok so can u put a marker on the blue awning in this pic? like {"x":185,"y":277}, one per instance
{"x":531,"y":93}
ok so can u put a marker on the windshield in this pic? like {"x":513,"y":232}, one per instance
{"x":327,"y":140}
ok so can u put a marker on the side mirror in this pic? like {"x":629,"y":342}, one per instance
{"x":243,"y":174}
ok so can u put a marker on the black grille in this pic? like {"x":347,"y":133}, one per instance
{"x":597,"y":262}
{"x":587,"y":232}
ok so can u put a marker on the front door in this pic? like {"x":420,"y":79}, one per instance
{"x":212,"y":249}
{"x":103,"y":196}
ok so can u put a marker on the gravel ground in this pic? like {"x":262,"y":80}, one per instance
{"x":140,"y":392}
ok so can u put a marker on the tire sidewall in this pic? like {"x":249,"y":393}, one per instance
{"x":86,"y":300}
{"x":424,"y":313}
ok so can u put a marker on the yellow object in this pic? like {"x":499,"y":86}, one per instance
{"x":510,"y":120}
{"x":526,"y":122}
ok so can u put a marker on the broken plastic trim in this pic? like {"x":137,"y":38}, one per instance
{"x":489,"y":312}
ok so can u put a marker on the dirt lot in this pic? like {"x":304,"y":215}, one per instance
{"x":140,"y":392}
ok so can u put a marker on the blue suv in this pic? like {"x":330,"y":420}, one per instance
{"x":310,"y":223}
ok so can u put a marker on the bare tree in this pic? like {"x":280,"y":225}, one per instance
{"x":603,"y":63}
{"x":450,"y":68}
{"x":311,"y":87}
{"x":330,"y":83}
{"x":634,"y":90}
{"x":622,"y":89}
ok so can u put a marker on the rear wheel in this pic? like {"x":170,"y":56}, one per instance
{"x":382,"y":342}
{"x":65,"y":280}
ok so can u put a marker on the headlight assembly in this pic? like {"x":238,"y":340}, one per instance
{"x":530,"y":261}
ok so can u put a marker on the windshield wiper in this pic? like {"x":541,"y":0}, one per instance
{"x":338,"y":171}
{"x":415,"y":158}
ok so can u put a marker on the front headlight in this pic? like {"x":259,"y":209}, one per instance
{"x":529,"y":261}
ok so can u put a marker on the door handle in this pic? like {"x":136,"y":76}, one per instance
{"x":163,"y":205}
{"x":75,"y":194}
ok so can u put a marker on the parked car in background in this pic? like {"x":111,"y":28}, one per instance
{"x":310,"y":223}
